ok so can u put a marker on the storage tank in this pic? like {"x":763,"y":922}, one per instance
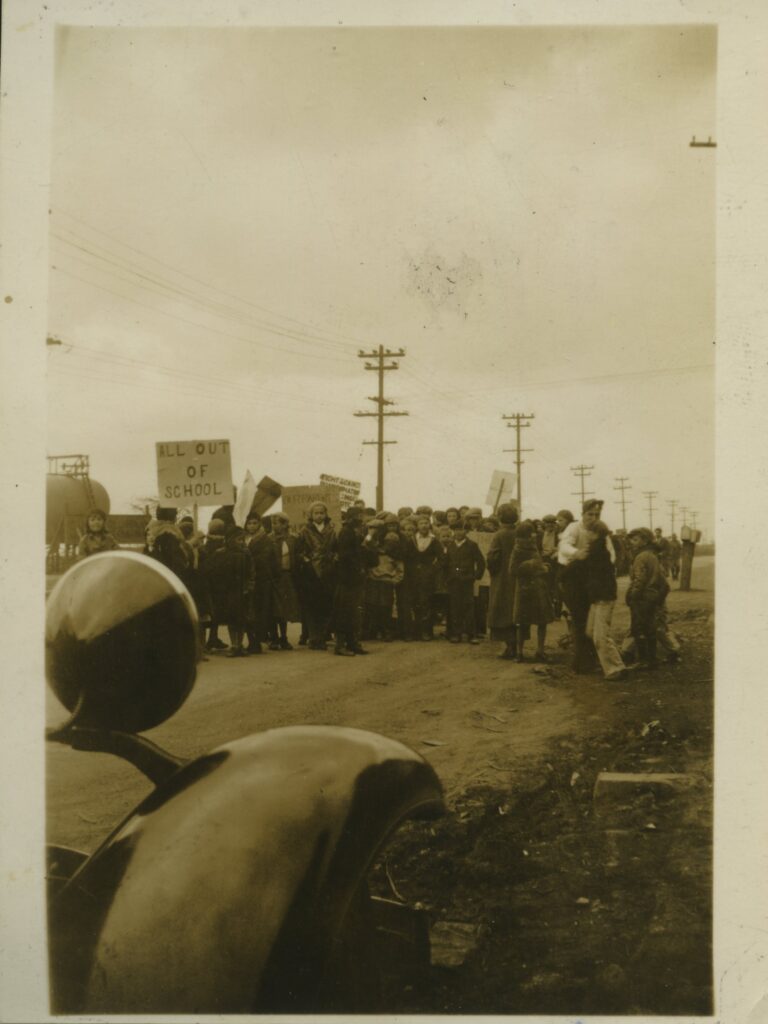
{"x":70,"y":498}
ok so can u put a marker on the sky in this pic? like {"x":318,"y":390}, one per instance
{"x":237,"y":213}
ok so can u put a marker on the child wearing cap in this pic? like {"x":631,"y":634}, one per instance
{"x":382,"y":579}
{"x":646,"y":593}
{"x":441,"y":607}
{"x":531,"y":606}
{"x":465,"y":565}
{"x":286,"y":607}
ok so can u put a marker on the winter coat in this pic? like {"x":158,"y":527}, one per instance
{"x":229,"y":572}
{"x":423,"y":567}
{"x":502,"y":594}
{"x":316,"y":553}
{"x":465,"y":561}
{"x":285,"y":594}
{"x":532,"y":606}
{"x":95,"y":543}
{"x":647,"y":583}
{"x":166,"y":543}
{"x":354,"y":560}
{"x":600,"y":571}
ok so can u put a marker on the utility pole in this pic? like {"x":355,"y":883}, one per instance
{"x":684,"y":512}
{"x":673,"y":505}
{"x":650,"y":495}
{"x":623,"y":486}
{"x":381,"y":367}
{"x":693,"y":518}
{"x":519,"y":421}
{"x":582,"y":472}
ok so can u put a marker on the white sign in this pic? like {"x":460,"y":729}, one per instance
{"x":501,"y":488}
{"x":194,"y":471}
{"x":348,"y":490}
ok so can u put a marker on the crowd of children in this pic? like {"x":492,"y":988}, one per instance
{"x":414,"y":576}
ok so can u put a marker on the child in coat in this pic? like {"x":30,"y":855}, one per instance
{"x":646,"y":594}
{"x":383,"y":578}
{"x":96,"y":537}
{"x":465,"y":564}
{"x":531,"y":606}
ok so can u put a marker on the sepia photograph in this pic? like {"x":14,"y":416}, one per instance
{"x":394,"y":343}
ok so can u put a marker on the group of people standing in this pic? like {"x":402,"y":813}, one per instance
{"x":402,"y":576}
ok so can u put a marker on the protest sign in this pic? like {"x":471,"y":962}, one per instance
{"x":348,"y":490}
{"x":296,"y":502}
{"x":194,"y":471}
{"x":501,"y":488}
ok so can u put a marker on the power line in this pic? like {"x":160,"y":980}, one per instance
{"x":582,"y":472}
{"x":623,"y":486}
{"x":194,"y":323}
{"x":203,"y":383}
{"x":656,"y":371}
{"x":165,"y":288}
{"x":650,"y":495}
{"x":673,"y":505}
{"x":380,"y":401}
{"x":519,"y":421}
{"x":188,"y":276}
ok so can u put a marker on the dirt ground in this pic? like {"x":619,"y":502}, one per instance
{"x":563,"y":908}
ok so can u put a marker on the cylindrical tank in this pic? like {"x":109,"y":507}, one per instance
{"x":67,"y":496}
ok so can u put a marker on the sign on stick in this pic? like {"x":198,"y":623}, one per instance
{"x":501,"y":488}
{"x":194,"y":471}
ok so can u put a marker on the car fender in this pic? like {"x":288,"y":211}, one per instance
{"x":202,"y":900}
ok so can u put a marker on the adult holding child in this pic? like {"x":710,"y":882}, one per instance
{"x":572,"y":551}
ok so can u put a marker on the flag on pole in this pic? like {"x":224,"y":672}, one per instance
{"x":245,"y":496}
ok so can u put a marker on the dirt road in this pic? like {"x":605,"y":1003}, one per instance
{"x":518,"y":749}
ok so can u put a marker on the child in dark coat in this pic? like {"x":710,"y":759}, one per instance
{"x":96,"y":537}
{"x":646,"y":594}
{"x":465,"y":564}
{"x":230,"y":576}
{"x":531,"y":606}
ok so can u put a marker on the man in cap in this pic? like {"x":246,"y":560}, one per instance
{"x":571,"y":553}
{"x":473,"y":519}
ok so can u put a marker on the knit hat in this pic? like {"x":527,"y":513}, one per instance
{"x":217,"y":528}
{"x":423,"y":510}
{"x":591,"y":504}
{"x":566,"y":514}
{"x":404,"y":512}
{"x":549,"y":519}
